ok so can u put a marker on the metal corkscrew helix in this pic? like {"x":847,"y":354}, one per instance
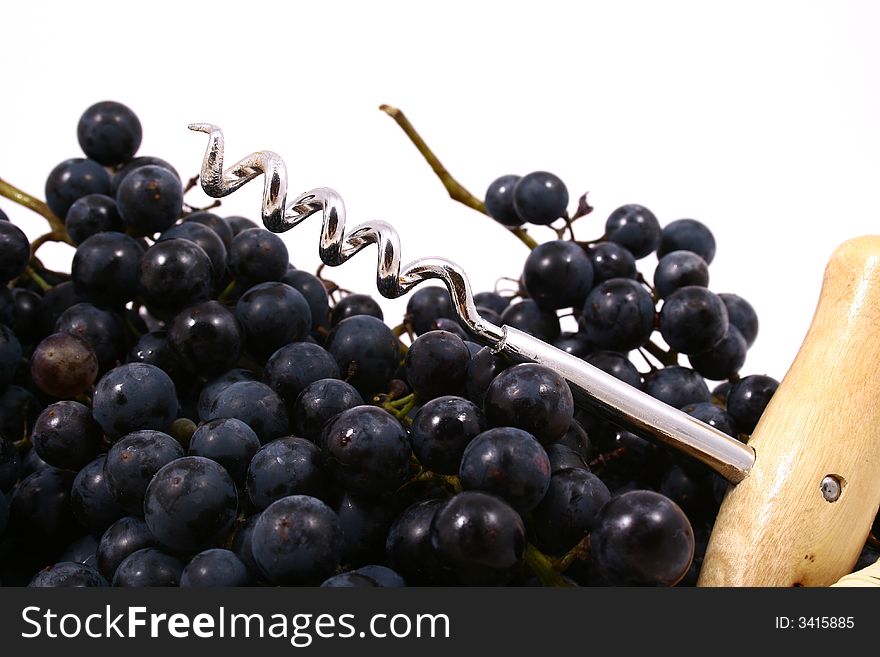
{"x":616,"y":400}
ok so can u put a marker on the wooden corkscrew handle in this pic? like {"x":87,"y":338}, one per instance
{"x":802,"y":515}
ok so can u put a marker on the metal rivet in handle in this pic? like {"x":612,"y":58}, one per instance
{"x":831,"y":487}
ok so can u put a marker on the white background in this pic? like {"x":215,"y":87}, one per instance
{"x":757,"y":118}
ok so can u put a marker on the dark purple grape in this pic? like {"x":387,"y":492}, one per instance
{"x":490,"y":300}
{"x":748,"y":398}
{"x":679,"y":269}
{"x":136,"y":163}
{"x":509,"y":463}
{"x":569,"y":510}
{"x":558,"y":274}
{"x":314,"y":292}
{"x":742,"y":316}
{"x":349,"y":579}
{"x":723,"y":360}
{"x":65,"y":435}
{"x":575,"y":344}
{"x":272,"y":315}
{"x":635,"y":228}
{"x":484,"y":366}
{"x":611,"y":260}
{"x":40,"y":509}
{"x":712,"y":415}
{"x":174,"y":274}
{"x":426,"y":305}
{"x":677,"y":386}
{"x":562,"y":457}
{"x":109,"y":133}
{"x":215,"y":386}
{"x":68,"y":574}
{"x":238,"y":224}
{"x":216,"y":223}
{"x":93,"y":505}
{"x":90,"y":215}
{"x":293,"y":367}
{"x":297,"y":540}
{"x":442,"y":429}
{"x":133,"y":461}
{"x":148,"y":567}
{"x":408,"y":547}
{"x":450,"y":326}
{"x":241,"y":545}
{"x":499,"y":201}
{"x":155,"y":348}
{"x":533,"y":398}
{"x":693,"y":320}
{"x":687,"y":235}
{"x":208,"y":338}
{"x":319,"y":402}
{"x":540,"y":198}
{"x":436,"y":364}
{"x":215,"y":568}
{"x":149,"y":199}
{"x":73,"y":179}
{"x":527,"y":316}
{"x":134,"y":396}
{"x":82,"y":550}
{"x":10,"y":465}
{"x":365,"y":522}
{"x":367,"y":352}
{"x":479,"y":539}
{"x":124,"y":537}
{"x":3,"y":216}
{"x":355,"y":304}
{"x":286,"y":466}
{"x":190,"y":504}
{"x":366,"y":451}
{"x":18,"y":412}
{"x":617,"y":365}
{"x":15,"y":252}
{"x":632,"y":458}
{"x":577,"y":439}
{"x":642,"y":538}
{"x":618,"y":315}
{"x":26,"y":313}
{"x":102,"y":329}
{"x":688,"y":488}
{"x":105,"y":269}
{"x":205,"y":238}
{"x":255,"y":404}
{"x":228,"y":441}
{"x":10,"y":355}
{"x":54,"y":303}
{"x":256,"y":256}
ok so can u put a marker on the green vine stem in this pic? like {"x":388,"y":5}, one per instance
{"x":457,"y":191}
{"x":58,"y":230}
{"x":543,"y":567}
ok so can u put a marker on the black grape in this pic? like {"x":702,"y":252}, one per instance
{"x":642,"y":538}
{"x":109,"y":133}
{"x":190,"y":504}
{"x":533,"y":398}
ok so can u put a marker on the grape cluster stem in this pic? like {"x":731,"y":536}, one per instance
{"x":457,"y":191}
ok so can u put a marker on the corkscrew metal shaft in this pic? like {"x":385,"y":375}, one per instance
{"x":609,"y":396}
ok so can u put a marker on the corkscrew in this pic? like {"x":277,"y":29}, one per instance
{"x":801,"y":508}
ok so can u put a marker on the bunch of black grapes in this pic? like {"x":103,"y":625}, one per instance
{"x":185,"y":407}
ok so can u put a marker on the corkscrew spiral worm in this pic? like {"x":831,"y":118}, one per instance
{"x":336,"y":246}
